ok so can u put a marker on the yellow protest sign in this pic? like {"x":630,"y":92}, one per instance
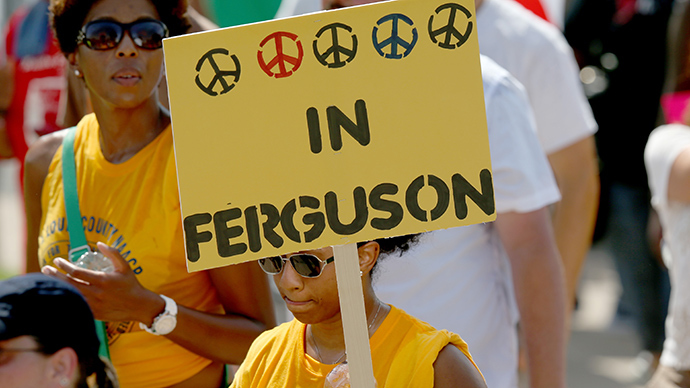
{"x":329,"y":128}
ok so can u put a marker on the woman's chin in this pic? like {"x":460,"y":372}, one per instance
{"x":299,"y":308}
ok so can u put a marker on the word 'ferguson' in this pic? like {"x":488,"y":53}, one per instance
{"x":380,"y":208}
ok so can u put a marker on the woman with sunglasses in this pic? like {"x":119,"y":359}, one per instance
{"x":310,"y":350}
{"x":166,"y":327}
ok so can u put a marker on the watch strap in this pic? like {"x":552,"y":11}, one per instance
{"x":169,"y":310}
{"x":170,"y":305}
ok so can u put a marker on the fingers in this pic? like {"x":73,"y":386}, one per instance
{"x":71,"y":276}
{"x":51,"y":271}
{"x":87,"y":276}
{"x":60,"y":263}
{"x":113,"y":254}
{"x":72,"y":271}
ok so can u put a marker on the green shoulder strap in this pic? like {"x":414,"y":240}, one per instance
{"x":77,"y":238}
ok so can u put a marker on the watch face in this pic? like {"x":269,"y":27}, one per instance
{"x":165,"y":325}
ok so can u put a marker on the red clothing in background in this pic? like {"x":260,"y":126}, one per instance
{"x":39,"y":83}
{"x":536,"y":7}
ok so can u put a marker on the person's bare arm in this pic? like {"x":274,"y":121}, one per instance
{"x":6,"y":84}
{"x":202,"y":7}
{"x":36,"y":166}
{"x":577,"y":174}
{"x":118,"y":296}
{"x":6,"y":93}
{"x":246,"y":296}
{"x":679,"y":178}
{"x":452,"y":369}
{"x":199,"y":20}
{"x":5,"y":149}
{"x":538,"y":281}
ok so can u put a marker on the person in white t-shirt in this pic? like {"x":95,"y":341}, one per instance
{"x":479,"y":280}
{"x":667,"y":160}
{"x":536,"y":53}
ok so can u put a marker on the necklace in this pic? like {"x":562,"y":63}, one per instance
{"x":316,"y":346}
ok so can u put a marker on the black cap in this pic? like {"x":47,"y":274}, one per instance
{"x":49,"y":309}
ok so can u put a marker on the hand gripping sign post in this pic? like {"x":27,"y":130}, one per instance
{"x":328,"y":129}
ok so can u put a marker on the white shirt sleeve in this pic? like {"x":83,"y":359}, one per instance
{"x":562,"y":112}
{"x":663,"y":147}
{"x":523,"y":180}
{"x":538,"y":56}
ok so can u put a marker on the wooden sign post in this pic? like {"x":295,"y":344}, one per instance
{"x":354,"y":316}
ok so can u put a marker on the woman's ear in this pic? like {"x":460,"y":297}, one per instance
{"x":74,"y":64}
{"x":368,"y":254}
{"x":72,"y":59}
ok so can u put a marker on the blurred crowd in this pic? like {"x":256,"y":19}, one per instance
{"x":573,"y":90}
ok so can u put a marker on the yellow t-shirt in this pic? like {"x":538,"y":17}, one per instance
{"x":133,"y":206}
{"x":403,"y":351}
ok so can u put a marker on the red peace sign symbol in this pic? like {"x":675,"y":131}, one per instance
{"x":281,"y":59}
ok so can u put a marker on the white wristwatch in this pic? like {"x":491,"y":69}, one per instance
{"x":166,"y":321}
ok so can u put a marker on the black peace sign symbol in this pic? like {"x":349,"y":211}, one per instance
{"x":449,"y":29}
{"x":219,"y":74}
{"x":335,"y":48}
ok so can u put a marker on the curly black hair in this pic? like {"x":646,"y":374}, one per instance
{"x":67,"y":18}
{"x":399,"y":244}
{"x":390,"y":245}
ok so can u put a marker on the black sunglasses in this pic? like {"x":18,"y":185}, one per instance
{"x":305,"y":264}
{"x":107,"y":34}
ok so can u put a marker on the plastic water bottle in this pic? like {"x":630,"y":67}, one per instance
{"x":95,"y":261}
{"x":339,"y":377}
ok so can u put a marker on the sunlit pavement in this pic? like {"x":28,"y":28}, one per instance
{"x":11,"y":220}
{"x":603,"y":353}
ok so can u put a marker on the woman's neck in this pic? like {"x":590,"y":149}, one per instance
{"x":326,"y":340}
{"x":124,"y":132}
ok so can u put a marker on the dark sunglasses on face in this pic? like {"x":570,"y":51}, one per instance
{"x":107,"y":34}
{"x":305,"y":264}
